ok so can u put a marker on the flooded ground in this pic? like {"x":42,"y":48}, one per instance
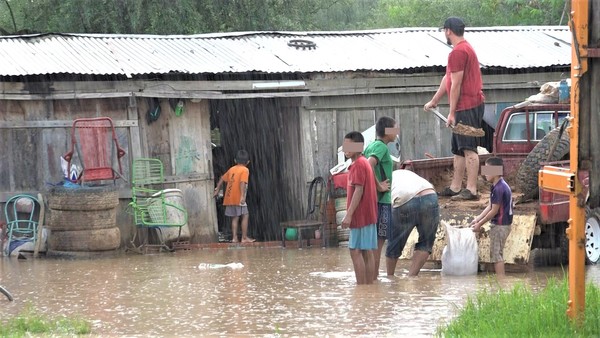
{"x":293,"y":292}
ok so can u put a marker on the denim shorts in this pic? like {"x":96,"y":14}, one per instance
{"x":364,"y":238}
{"x":384,"y":218}
{"x":422,"y":212}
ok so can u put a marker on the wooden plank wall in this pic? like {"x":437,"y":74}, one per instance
{"x":34,"y":135}
{"x":421,"y":132}
{"x":182,"y":143}
{"x":190,"y":149}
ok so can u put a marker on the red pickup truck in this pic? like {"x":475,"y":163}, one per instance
{"x":526,"y":137}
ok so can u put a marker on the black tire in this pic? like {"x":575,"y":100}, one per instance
{"x":6,"y":293}
{"x":64,"y":220}
{"x":563,"y":241}
{"x":544,"y":257}
{"x":85,"y":240}
{"x":84,"y":198}
{"x":527,"y":175}
{"x":71,"y":255}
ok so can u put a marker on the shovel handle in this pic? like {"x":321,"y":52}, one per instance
{"x":440,"y":116}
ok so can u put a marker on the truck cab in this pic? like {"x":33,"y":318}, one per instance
{"x":521,"y":127}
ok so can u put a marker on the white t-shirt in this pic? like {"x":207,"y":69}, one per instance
{"x":406,"y":185}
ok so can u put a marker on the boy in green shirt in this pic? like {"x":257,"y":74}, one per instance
{"x":379,"y":157}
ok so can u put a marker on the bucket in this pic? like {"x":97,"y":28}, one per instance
{"x":339,"y":217}
{"x":340,"y":203}
{"x":169,"y":234}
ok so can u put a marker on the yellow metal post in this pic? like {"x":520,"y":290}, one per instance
{"x":566,"y":181}
{"x":576,"y":230}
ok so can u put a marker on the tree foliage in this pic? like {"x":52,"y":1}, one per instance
{"x":205,"y":16}
{"x":480,"y":13}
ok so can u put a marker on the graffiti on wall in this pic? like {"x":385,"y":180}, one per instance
{"x":187,"y":155}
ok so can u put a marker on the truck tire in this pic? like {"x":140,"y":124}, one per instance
{"x":544,"y":257}
{"x":85,"y":240}
{"x":527,"y":175}
{"x":84,"y":198}
{"x":63,"y":220}
{"x":591,"y":232}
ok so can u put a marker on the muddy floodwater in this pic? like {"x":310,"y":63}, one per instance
{"x":262,"y":291}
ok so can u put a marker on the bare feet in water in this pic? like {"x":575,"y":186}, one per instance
{"x":248,"y":240}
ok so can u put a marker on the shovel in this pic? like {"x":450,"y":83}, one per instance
{"x":459,"y":128}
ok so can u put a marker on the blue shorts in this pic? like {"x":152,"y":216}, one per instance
{"x":422,"y":212}
{"x":384,"y":218}
{"x":364,"y":238}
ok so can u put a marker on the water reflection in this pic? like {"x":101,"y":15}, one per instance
{"x":278,"y":291}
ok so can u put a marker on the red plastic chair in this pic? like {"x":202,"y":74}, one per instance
{"x":94,"y":142}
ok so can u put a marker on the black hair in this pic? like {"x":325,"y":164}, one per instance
{"x":382,"y":123}
{"x":355,"y":136}
{"x":494,"y":161}
{"x":242,"y":157}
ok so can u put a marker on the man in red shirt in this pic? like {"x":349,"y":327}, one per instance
{"x":464,"y":87}
{"x":361,"y":214}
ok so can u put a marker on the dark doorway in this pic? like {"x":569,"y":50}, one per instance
{"x":268,"y":130}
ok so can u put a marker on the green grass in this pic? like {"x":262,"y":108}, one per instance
{"x":521,"y":312}
{"x":29,"y":323}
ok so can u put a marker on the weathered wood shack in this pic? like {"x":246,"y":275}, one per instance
{"x":286,"y":97}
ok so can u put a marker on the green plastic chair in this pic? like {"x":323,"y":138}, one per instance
{"x":22,"y":213}
{"x":151,"y":209}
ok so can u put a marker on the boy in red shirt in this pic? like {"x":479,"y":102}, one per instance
{"x":361,"y":215}
{"x":235,"y":195}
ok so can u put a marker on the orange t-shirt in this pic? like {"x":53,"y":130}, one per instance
{"x":234,"y":176}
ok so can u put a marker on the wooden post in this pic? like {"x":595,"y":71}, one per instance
{"x":40,"y":225}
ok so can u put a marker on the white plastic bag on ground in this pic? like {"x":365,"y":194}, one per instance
{"x":459,"y":257}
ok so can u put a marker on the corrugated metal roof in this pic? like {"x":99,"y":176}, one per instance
{"x":268,"y":52}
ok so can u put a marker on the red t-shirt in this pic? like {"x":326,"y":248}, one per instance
{"x":463,"y":58}
{"x":362,"y":174}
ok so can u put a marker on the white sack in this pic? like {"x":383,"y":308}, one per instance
{"x":459,"y":257}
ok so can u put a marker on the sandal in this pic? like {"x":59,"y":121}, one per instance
{"x":465,"y":195}
{"x":448,"y":192}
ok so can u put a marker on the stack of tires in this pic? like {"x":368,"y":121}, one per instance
{"x":82,"y":221}
{"x":340,"y":213}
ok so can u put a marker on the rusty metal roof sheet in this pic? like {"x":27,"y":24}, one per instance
{"x":270,"y":52}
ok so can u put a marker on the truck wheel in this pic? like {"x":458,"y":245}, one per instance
{"x":527,"y":175}
{"x":592,"y":239}
{"x":563,"y":241}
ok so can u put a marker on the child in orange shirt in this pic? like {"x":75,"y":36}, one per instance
{"x":235,"y":195}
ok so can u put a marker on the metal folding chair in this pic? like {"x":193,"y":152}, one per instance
{"x":94,"y":143}
{"x":151,"y":209}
